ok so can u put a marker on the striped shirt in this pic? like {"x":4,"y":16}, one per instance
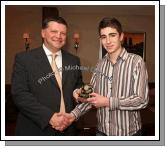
{"x":125,"y":83}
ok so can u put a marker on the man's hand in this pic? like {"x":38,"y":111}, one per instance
{"x":70,"y":118}
{"x":60,"y":121}
{"x":76,"y":93}
{"x":98,"y":101}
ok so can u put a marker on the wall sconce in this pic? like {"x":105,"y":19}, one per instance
{"x":76,"y":38}
{"x":26,"y":37}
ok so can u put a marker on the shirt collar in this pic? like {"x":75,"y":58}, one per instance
{"x":48,"y":52}
{"x":123,"y":55}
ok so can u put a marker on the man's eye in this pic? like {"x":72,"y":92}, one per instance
{"x":103,"y":37}
{"x":112,"y":35}
{"x":63,"y":33}
{"x":54,"y":31}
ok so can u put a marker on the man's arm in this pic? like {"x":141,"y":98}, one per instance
{"x":85,"y":106}
{"x":24,"y":98}
{"x":139,"y":99}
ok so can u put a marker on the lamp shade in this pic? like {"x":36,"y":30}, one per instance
{"x":26,"y":36}
{"x":76,"y":37}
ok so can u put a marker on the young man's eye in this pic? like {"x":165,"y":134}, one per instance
{"x":112,"y":35}
{"x":103,"y":37}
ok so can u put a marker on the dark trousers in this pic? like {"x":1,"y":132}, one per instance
{"x":99,"y":133}
{"x":138,"y":133}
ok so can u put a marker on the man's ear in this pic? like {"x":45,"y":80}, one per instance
{"x":121,"y":36}
{"x":42,"y":33}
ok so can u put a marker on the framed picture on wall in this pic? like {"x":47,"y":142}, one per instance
{"x":134,"y":42}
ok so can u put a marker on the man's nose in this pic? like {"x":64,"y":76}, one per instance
{"x":108,"y":40}
{"x":58,"y":35}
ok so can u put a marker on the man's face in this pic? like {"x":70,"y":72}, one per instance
{"x":54,"y":35}
{"x":111,"y":39}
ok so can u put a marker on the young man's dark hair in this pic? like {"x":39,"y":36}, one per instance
{"x":110,"y":22}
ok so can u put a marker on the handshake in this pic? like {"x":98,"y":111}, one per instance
{"x":60,"y":121}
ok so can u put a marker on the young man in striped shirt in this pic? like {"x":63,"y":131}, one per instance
{"x":120,"y":84}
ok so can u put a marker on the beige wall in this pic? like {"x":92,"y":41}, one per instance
{"x":20,"y":19}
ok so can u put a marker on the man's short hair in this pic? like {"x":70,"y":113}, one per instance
{"x":110,"y":22}
{"x":59,"y":20}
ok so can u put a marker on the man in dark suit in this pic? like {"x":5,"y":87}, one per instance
{"x":35,"y":89}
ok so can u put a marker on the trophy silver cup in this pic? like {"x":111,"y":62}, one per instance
{"x":86,"y":90}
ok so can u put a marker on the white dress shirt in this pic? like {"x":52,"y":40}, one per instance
{"x":58,"y":59}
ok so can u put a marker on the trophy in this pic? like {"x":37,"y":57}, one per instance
{"x":86,"y":90}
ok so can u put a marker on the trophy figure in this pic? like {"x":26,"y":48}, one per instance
{"x":86,"y":90}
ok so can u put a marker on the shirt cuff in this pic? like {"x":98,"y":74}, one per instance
{"x":77,"y":113}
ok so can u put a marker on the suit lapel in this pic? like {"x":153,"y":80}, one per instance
{"x":45,"y":65}
{"x":65,"y":63}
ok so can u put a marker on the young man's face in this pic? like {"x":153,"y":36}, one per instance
{"x":54,"y":35}
{"x":111,"y":39}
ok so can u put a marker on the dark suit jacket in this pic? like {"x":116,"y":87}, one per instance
{"x":36,"y":92}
